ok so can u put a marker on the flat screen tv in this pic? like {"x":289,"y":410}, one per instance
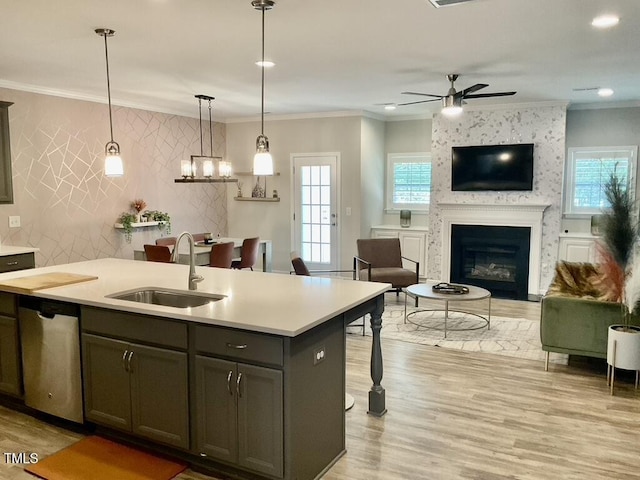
{"x":492,"y":167}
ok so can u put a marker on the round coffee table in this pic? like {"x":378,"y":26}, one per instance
{"x":424,"y":290}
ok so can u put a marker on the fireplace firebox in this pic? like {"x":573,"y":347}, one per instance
{"x":492,"y":257}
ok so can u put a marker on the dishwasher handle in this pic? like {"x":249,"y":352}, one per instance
{"x":49,"y":308}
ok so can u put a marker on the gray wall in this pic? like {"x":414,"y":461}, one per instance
{"x":607,"y":127}
{"x":288,"y":137}
{"x":372,"y":174}
{"x":406,"y":136}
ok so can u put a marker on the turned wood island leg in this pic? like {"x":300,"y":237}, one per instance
{"x":377,"y":394}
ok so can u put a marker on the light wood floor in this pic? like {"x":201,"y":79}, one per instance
{"x":453,"y":415}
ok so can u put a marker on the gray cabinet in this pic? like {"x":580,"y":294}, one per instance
{"x":6,"y":185}
{"x":21,"y":261}
{"x":240,"y":414}
{"x":134,"y":387}
{"x":10,"y":365}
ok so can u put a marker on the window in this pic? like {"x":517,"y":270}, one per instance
{"x":588,"y":169}
{"x":408,"y":181}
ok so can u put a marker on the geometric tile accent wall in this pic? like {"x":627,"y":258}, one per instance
{"x":543,"y":126}
{"x":66,"y":204}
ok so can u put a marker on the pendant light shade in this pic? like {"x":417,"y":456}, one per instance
{"x":113,"y":166}
{"x":262,"y":161}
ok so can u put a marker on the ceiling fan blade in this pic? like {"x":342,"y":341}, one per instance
{"x":471,"y":89}
{"x":422,"y":94}
{"x":485,"y":95}
{"x":420,"y":101}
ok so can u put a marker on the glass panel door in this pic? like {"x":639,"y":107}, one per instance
{"x":315,"y":218}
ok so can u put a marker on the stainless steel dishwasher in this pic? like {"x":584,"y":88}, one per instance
{"x":50,"y":342}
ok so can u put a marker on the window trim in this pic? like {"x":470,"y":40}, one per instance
{"x":568,"y":184}
{"x":413,"y":157}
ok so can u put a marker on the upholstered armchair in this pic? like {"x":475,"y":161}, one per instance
{"x":380,"y":260}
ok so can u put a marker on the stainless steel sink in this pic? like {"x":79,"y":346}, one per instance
{"x":167,"y":297}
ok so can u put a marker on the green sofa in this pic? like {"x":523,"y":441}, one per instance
{"x":574,"y":319}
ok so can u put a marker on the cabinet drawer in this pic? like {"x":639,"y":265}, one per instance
{"x":152,"y":330}
{"x":7,"y":304}
{"x":239,"y":344}
{"x":10,"y":263}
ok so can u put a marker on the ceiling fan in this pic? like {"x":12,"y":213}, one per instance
{"x":453,"y":100}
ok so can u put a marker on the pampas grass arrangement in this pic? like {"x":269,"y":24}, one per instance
{"x":619,"y":234}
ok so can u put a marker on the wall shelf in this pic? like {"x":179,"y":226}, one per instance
{"x":139,"y":225}
{"x":256,"y":199}
{"x":206,"y":180}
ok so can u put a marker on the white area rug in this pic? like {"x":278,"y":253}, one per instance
{"x":513,"y":337}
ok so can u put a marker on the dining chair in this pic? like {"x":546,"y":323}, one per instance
{"x":221,"y":255}
{"x":157,"y":253}
{"x":169,"y":241}
{"x":248,"y":254}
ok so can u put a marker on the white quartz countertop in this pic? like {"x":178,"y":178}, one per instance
{"x":273,"y":303}
{"x":11,"y":250}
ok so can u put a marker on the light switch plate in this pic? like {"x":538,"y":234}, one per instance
{"x":14,"y":221}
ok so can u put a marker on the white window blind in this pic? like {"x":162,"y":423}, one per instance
{"x":408,"y":181}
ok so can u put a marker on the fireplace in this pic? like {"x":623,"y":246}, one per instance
{"x":492,"y":257}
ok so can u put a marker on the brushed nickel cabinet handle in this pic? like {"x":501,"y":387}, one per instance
{"x":236,"y":346}
{"x":229,"y":382}
{"x":238,"y":385}
{"x":129,"y":361}
{"x":124,"y":360}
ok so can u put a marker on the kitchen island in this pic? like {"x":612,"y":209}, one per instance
{"x":251,"y":385}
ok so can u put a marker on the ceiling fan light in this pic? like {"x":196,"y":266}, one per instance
{"x":451,"y":106}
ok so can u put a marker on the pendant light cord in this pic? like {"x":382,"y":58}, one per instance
{"x":210,"y":130}
{"x":106,"y":54}
{"x":200,"y":114}
{"x":262,"y":104}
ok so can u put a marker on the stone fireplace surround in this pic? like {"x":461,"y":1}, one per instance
{"x":507,"y":215}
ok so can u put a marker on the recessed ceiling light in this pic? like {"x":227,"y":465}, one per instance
{"x":265,"y":64}
{"x":605,"y":21}
{"x":391,"y":106}
{"x":605,"y":92}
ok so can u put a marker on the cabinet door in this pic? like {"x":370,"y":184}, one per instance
{"x":260,"y":419}
{"x":9,"y":357}
{"x":413,"y":246}
{"x":577,"y":250}
{"x":159,"y":395}
{"x":215,"y":391}
{"x":107,"y":398}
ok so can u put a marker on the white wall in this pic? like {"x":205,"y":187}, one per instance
{"x":287,"y":137}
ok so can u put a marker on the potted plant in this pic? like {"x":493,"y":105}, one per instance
{"x":162,"y":217}
{"x":127,"y":219}
{"x":619,"y":235}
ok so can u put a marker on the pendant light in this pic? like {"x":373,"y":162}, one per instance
{"x":262,"y":162}
{"x":189,"y":168}
{"x":112,"y":160}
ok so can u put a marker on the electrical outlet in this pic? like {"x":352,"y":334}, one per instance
{"x":14,"y":221}
{"x":319,"y":354}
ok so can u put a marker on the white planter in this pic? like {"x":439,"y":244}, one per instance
{"x":623,"y":351}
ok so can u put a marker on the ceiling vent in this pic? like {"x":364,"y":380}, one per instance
{"x":446,"y":3}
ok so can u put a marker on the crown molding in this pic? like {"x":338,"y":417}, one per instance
{"x":602,"y":105}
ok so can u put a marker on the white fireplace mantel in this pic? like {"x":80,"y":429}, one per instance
{"x":502,"y":215}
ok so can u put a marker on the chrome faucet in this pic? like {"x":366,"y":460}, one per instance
{"x":193,"y":278}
